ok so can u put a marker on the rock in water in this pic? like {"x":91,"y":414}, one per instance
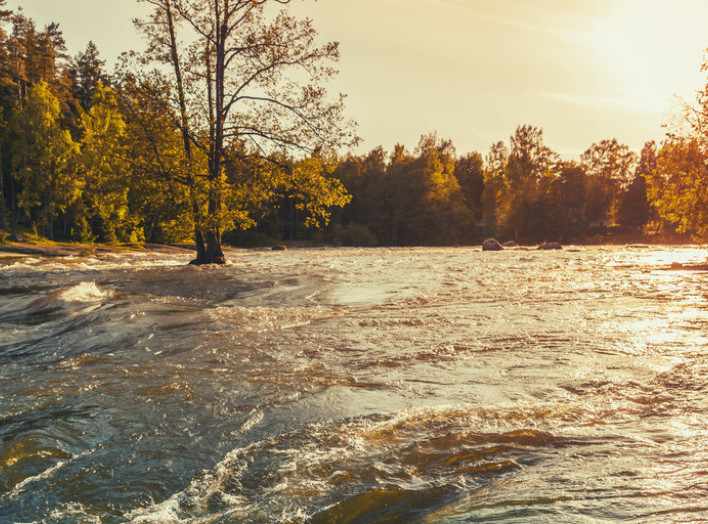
{"x":510,"y":243}
{"x":550,"y":245}
{"x":14,"y":237}
{"x":491,"y":244}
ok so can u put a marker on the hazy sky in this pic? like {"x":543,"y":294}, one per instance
{"x":472,"y":70}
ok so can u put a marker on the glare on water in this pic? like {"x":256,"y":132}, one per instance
{"x":345,"y":385}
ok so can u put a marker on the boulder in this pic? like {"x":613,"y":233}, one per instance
{"x":510,"y":243}
{"x":550,"y":245}
{"x":279,"y":248}
{"x":491,"y":244}
{"x":15,"y":237}
{"x":688,"y":267}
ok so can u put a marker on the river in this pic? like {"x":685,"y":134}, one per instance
{"x":344,"y":385}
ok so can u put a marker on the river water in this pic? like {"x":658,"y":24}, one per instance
{"x":344,"y":385}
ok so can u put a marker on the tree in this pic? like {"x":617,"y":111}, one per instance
{"x":4,"y":85}
{"x":635,"y":210}
{"x":610,"y":166}
{"x":105,"y":168}
{"x":529,"y":163}
{"x":87,"y":73}
{"x":442,"y":215}
{"x":529,"y":157}
{"x":678,"y":186}
{"x":497,"y":193}
{"x":567,"y":200}
{"x":235,"y":83}
{"x":162,"y":190}
{"x":43,"y":154}
{"x":469,"y":172}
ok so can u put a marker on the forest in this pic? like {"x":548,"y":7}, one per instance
{"x":216,"y":141}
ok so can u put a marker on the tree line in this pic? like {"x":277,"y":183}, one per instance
{"x":525,"y":192}
{"x":521,"y":191}
{"x":223,"y":127}
{"x":223,"y":119}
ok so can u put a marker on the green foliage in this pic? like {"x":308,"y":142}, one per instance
{"x":88,"y":77}
{"x":216,"y":139}
{"x":354,"y":235}
{"x":634,"y":209}
{"x":105,"y":169}
{"x":43,"y":158}
{"x":314,"y":192}
{"x":528,"y":173}
{"x":610,"y":166}
{"x":678,"y":186}
{"x":409,"y":200}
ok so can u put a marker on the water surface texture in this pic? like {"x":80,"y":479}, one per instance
{"x":362,"y":386}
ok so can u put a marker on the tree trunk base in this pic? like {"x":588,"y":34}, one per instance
{"x":203,"y":262}
{"x":208,"y":249}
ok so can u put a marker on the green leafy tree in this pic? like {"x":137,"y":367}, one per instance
{"x":105,"y":169}
{"x":419,"y":201}
{"x":362,"y":176}
{"x":496,"y":198}
{"x":43,"y":158}
{"x":5,"y":105}
{"x":528,"y":168}
{"x":163,"y":189}
{"x":448,"y":218}
{"x":635,"y":209}
{"x":235,"y":84}
{"x":469,"y":172}
{"x":567,"y":198}
{"x":678,"y":186}
{"x":87,"y":73}
{"x":610,"y":166}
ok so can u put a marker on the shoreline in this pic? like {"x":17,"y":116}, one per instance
{"x":63,"y":249}
{"x":18,"y":250}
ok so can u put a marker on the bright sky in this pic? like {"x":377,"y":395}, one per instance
{"x":472,"y":70}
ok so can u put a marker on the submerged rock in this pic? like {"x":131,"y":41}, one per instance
{"x":550,"y":245}
{"x":279,"y":248}
{"x":16,"y":237}
{"x":688,"y":267}
{"x":510,"y":243}
{"x":491,"y":244}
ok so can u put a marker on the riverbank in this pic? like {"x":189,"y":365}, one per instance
{"x":60,"y":249}
{"x":41,"y":247}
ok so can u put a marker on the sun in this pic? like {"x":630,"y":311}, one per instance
{"x":643,"y":47}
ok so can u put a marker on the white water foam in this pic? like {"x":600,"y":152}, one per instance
{"x":85,"y":292}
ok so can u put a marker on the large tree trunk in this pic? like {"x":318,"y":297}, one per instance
{"x":199,"y":241}
{"x":202,"y":257}
{"x":3,"y":209}
{"x":214,"y":253}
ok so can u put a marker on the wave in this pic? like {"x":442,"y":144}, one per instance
{"x":266,"y":319}
{"x":380,"y":466}
{"x":85,"y":292}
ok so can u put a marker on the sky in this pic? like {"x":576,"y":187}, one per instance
{"x":472,"y":70}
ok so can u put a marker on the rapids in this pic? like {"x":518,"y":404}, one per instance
{"x":344,"y":385}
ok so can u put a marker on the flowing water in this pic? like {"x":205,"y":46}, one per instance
{"x":342,"y":385}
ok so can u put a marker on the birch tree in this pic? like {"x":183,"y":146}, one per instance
{"x":241,"y":74}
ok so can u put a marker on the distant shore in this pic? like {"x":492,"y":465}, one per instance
{"x":46,"y":248}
